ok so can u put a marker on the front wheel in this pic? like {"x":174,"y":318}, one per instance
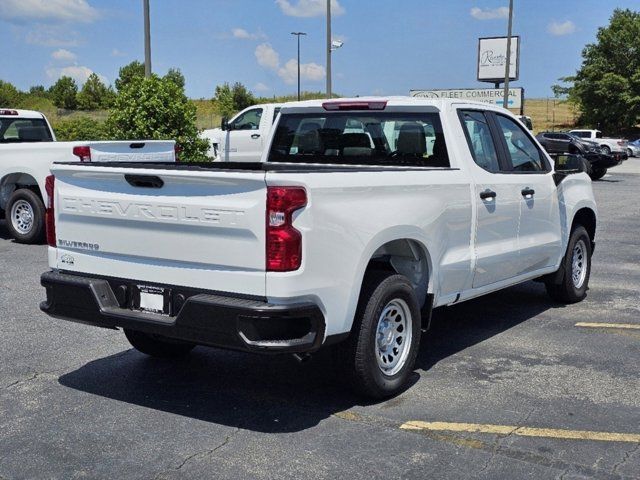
{"x":597,"y":173}
{"x":606,"y":150}
{"x":576,"y":265}
{"x":381,"y":351}
{"x":157,"y":345}
{"x":25,"y":216}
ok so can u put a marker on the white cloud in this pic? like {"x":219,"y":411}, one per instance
{"x":309,"y":8}
{"x":63,"y":55}
{"x":48,"y":10}
{"x":559,"y":29}
{"x":117,"y":53}
{"x":52,"y":36}
{"x":267,"y":56}
{"x":308,"y":71}
{"x":261,"y":87}
{"x":489,"y":13}
{"x":79,"y":73}
{"x":242,"y":34}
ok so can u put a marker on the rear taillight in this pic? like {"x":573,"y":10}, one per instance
{"x":8,"y":112}
{"x":284,"y":243}
{"x":83,"y":153}
{"x":177,"y":149}
{"x":50,"y":221}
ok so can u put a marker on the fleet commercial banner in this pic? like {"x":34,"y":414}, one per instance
{"x":493,"y":96}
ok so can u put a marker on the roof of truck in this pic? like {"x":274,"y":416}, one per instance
{"x":396,"y":101}
{"x":21,"y":113}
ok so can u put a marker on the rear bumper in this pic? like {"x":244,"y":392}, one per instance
{"x":201,"y":318}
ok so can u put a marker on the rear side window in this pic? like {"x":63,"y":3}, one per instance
{"x":523,"y":154}
{"x":19,"y":130}
{"x":361,"y":138}
{"x":480,"y":141}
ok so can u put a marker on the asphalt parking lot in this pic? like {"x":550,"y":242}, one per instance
{"x":506,"y":386}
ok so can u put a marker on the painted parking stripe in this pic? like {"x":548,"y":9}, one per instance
{"x":521,"y":431}
{"x":626,"y":326}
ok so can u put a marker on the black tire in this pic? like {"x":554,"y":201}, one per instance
{"x":567,"y":290}
{"x":358,"y":355}
{"x":16,"y":226}
{"x":597,"y":173}
{"x":606,"y":150}
{"x":156,"y":345}
{"x":588,"y":169}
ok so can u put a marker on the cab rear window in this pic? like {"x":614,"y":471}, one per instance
{"x":361,"y":138}
{"x":18,"y":130}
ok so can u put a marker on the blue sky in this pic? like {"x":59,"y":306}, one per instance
{"x":390,"y":46}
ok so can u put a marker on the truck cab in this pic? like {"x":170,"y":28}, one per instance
{"x":242,"y":138}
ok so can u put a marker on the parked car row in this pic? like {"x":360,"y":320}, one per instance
{"x":598,"y":156}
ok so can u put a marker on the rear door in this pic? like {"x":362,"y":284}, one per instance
{"x":497,"y":203}
{"x":199,"y":228}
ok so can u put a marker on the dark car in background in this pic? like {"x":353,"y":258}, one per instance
{"x":597,"y":162}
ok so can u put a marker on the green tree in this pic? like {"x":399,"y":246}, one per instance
{"x":175,"y":75}
{"x":10,"y":96}
{"x":127,"y":73}
{"x":607,"y":85}
{"x":82,"y":128}
{"x":156,"y":108}
{"x":95,"y":94}
{"x":38,"y":91}
{"x":64,"y":92}
{"x":229,"y":100}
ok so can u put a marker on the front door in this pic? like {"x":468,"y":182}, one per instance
{"x":243,"y":141}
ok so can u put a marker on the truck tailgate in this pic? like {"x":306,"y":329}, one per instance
{"x":201,"y":229}
{"x":133,"y":151}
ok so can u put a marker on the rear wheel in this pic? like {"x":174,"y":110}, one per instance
{"x":597,"y":173}
{"x":381,"y":351}
{"x":573,"y":285}
{"x":606,"y":150}
{"x":157,"y":345}
{"x":25,"y":216}
{"x":629,"y":152}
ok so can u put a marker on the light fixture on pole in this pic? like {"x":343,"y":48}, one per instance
{"x":297,"y":34}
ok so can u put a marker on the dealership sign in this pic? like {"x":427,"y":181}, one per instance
{"x":493,"y":96}
{"x":492,"y":59}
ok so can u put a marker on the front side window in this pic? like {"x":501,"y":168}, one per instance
{"x":361,"y":138}
{"x":480,"y":142}
{"x":524,"y":156}
{"x":24,"y":130}
{"x":249,"y":120}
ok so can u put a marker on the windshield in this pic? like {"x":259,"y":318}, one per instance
{"x":360,"y":138}
{"x":18,"y":130}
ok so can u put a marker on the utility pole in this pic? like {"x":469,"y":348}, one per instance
{"x":147,"y":40}
{"x":297,"y":34}
{"x":505,"y":102}
{"x":328,"y":48}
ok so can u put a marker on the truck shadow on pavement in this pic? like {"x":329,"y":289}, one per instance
{"x":277,"y":394}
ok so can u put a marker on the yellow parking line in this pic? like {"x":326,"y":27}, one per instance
{"x":521,"y":431}
{"x":626,"y":326}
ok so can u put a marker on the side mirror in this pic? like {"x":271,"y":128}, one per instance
{"x":569,"y":164}
{"x":224,"y":125}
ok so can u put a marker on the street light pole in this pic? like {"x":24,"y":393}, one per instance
{"x":505,"y":101}
{"x":328,"y":48}
{"x":297,"y":34}
{"x":147,"y":39}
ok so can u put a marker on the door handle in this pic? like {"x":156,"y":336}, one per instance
{"x":255,"y":135}
{"x":527,"y":192}
{"x":488,"y":194}
{"x":144,"y":181}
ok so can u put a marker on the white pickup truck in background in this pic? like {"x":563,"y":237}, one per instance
{"x":28,"y":148}
{"x":242,"y":138}
{"x":351,"y":229}
{"x":608,"y":145}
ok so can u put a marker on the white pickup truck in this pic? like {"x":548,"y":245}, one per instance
{"x":345,"y":234}
{"x":242,"y":139}
{"x":28,"y":148}
{"x":608,"y":145}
